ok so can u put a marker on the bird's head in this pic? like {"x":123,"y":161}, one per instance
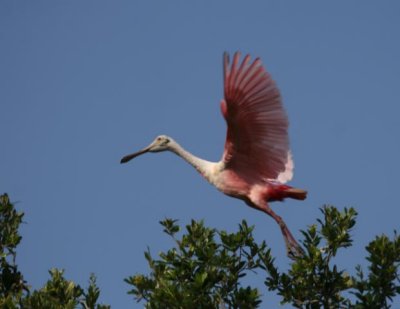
{"x":161,"y":143}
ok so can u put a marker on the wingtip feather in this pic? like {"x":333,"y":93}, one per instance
{"x":225,"y":64}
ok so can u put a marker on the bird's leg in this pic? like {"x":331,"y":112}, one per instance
{"x":293,"y":248}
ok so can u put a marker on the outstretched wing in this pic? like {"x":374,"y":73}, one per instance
{"x":257,"y":142}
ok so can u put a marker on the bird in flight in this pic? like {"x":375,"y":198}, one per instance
{"x":256,"y":161}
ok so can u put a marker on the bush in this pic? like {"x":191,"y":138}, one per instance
{"x":205,"y":269}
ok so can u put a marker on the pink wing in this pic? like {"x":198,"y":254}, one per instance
{"x":257,"y":142}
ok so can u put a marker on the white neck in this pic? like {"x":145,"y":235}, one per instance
{"x":204,"y":167}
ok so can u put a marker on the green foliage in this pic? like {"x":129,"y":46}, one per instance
{"x":12,"y":284}
{"x":311,"y":281}
{"x":61,"y":293}
{"x":15,"y":293}
{"x":206,"y":268}
{"x":202,"y":271}
{"x":382,"y":283}
{"x":206,"y":271}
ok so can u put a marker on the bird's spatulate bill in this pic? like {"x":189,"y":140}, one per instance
{"x":133,"y":155}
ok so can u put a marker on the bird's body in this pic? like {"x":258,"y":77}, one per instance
{"x":257,"y":161}
{"x":228,"y":181}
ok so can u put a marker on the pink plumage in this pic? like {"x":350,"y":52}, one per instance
{"x":256,"y":162}
{"x":257,"y":142}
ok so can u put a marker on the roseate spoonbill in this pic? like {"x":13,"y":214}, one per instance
{"x":256,"y":162}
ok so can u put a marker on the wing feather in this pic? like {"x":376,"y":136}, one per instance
{"x":257,"y":142}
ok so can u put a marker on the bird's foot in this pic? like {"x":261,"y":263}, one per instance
{"x":293,"y":249}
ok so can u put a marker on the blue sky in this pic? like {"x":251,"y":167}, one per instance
{"x":83,"y":83}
